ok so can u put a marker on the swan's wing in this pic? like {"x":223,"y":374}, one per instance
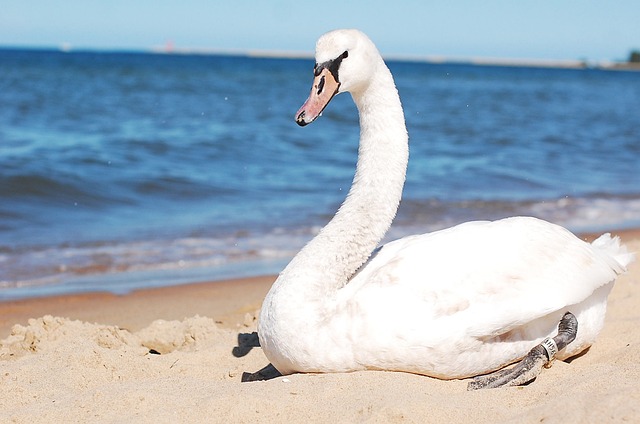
{"x":485,"y":277}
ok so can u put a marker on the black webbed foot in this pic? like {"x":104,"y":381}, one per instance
{"x":266,"y":373}
{"x":531,"y":365}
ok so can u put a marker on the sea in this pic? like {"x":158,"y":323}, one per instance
{"x":127,"y":170}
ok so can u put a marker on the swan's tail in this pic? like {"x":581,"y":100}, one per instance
{"x":614,"y":252}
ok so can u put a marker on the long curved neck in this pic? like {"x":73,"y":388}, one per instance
{"x":328,"y":262}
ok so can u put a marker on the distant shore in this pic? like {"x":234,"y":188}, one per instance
{"x":609,"y":65}
{"x":434,"y":59}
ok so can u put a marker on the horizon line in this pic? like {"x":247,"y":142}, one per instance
{"x":299,"y":54}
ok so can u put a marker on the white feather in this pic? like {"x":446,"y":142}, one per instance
{"x":450,"y":304}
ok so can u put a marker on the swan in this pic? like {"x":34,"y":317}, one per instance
{"x":461,"y":302}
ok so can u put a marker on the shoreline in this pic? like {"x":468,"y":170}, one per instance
{"x":226,"y":301}
{"x":217,"y":299}
{"x":178,"y":353}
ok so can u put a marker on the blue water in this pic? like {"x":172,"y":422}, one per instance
{"x":128,"y":170}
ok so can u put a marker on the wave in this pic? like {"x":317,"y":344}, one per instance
{"x":37,"y":186}
{"x":246,"y":252}
{"x":580,"y":214}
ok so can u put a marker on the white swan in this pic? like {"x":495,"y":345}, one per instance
{"x":450,"y":304}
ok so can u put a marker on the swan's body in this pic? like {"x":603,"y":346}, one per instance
{"x":450,"y":304}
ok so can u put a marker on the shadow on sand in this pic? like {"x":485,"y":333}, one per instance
{"x":246,"y":342}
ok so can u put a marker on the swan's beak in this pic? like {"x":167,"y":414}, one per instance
{"x":325,"y":86}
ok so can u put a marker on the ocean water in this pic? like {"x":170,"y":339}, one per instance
{"x":127,"y":170}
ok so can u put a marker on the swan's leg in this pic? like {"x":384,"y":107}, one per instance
{"x":531,"y":365}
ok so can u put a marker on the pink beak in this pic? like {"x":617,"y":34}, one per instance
{"x":325,"y":86}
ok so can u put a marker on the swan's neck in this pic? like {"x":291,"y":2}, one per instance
{"x":328,"y":262}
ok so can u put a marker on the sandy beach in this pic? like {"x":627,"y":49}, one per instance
{"x":177,"y":354}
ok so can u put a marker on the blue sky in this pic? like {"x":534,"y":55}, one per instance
{"x":543,"y":29}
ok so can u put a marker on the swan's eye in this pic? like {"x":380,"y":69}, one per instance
{"x":321,"y":85}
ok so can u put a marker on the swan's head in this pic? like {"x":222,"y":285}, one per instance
{"x":345,"y":61}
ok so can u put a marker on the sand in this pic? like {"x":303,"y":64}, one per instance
{"x":173,"y":355}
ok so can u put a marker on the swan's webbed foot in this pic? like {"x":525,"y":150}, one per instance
{"x":266,"y":373}
{"x":531,"y":365}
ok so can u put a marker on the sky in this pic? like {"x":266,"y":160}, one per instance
{"x":517,"y":29}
